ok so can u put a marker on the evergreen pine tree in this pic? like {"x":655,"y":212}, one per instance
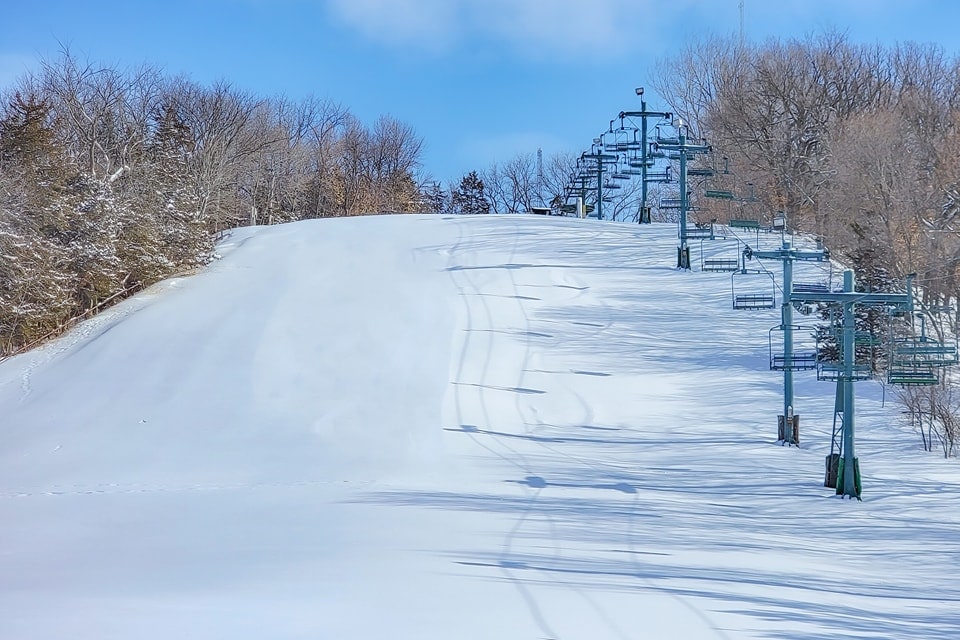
{"x":26,"y":136}
{"x":435,"y":199}
{"x":469,"y":198}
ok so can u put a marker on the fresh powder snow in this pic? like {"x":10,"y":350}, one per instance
{"x":454,"y":428}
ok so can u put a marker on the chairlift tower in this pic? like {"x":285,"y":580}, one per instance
{"x":789,"y":422}
{"x":600,"y":157}
{"x":643,"y":114}
{"x":684,"y":149}
{"x":848,"y":472}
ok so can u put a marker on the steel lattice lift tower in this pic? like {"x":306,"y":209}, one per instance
{"x":848,"y":473}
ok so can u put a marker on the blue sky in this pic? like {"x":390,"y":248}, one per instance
{"x":479,"y":80}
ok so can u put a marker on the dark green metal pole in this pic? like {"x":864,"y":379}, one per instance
{"x":786,"y":319}
{"x":643,"y":157}
{"x":599,"y":187}
{"x":683,"y":260}
{"x":849,"y":353}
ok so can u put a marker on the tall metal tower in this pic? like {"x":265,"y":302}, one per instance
{"x":684,"y":150}
{"x":540,"y":176}
{"x":848,"y":479}
{"x":643,"y":114}
{"x":788,"y":423}
{"x":601,"y":158}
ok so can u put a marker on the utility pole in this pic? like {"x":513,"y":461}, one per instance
{"x":643,"y":114}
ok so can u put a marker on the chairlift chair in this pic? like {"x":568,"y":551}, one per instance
{"x":830,"y":367}
{"x":669,"y":203}
{"x":913,"y":376}
{"x":659,"y":176}
{"x":834,"y":371}
{"x":725,"y":263}
{"x":915,"y":360}
{"x":801,"y":358}
{"x":753,"y":293}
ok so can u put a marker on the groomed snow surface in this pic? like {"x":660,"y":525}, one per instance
{"x":453,"y":428}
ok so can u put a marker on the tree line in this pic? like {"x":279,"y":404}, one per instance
{"x":112,"y":179}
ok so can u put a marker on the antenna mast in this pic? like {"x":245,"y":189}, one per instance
{"x":540,"y":176}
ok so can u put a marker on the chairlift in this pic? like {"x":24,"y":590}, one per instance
{"x":749,"y":289}
{"x":725,"y":263}
{"x":624,"y":139}
{"x":803,"y":357}
{"x":660,"y":176}
{"x":914,"y":361}
{"x":912,"y":376}
{"x":830,"y":367}
{"x":669,"y":203}
{"x":719,"y":194}
{"x":820,"y":285}
{"x":834,"y":371}
{"x":700,"y":232}
{"x":924,"y":350}
{"x":811,"y":287}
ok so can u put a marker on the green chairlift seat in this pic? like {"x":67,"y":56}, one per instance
{"x":716,"y":263}
{"x":803,"y":357}
{"x":720,"y":194}
{"x":669,"y":203}
{"x":752,"y":293}
{"x":918,"y":375}
{"x":833,"y":370}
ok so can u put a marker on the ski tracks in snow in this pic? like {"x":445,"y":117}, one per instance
{"x":480,"y":384}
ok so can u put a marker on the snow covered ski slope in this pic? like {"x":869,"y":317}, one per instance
{"x":429,"y":427}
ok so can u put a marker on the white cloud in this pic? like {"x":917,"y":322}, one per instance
{"x":596,"y":29}
{"x":592,"y":30}
{"x":599,"y":28}
{"x":426,"y":24}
